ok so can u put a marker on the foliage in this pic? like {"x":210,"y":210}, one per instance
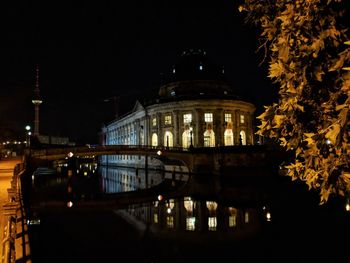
{"x":307,"y":44}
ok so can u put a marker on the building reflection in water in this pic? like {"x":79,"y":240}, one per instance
{"x":186,"y":215}
{"x":191,"y":221}
{"x":183,"y":214}
{"x":121,"y":179}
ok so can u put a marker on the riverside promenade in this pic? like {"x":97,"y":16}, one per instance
{"x":13,"y":229}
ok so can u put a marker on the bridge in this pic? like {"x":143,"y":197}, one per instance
{"x":214,"y":159}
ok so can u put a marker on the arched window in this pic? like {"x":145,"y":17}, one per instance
{"x":154,"y":139}
{"x":186,"y":139}
{"x":243,"y":138}
{"x":228,"y":137}
{"x":168,"y":139}
{"x":209,"y":138}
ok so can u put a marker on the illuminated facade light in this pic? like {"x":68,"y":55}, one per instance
{"x":268,"y":216}
{"x":347,"y":204}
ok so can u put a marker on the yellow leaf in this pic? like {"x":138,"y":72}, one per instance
{"x":298,"y":151}
{"x":309,"y":134}
{"x":283,"y":141}
{"x":333,"y":132}
{"x":276,"y":69}
{"x":278,"y":120}
{"x":309,"y":141}
{"x":339,"y":107}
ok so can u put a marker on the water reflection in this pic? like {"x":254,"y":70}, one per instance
{"x":181,"y":214}
{"x":121,"y":179}
{"x":201,"y":223}
{"x":186,"y":217}
{"x":82,"y":178}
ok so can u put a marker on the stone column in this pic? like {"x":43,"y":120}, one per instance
{"x":198,"y":128}
{"x":236,"y":127}
{"x":160,"y":130}
{"x":137,"y":131}
{"x":218,"y":124}
{"x":202,"y":216}
{"x":177,"y":133}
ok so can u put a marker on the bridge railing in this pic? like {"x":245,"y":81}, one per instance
{"x":10,"y":215}
{"x":142,"y":149}
{"x":97,"y":149}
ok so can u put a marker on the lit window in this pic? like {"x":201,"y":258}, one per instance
{"x":209,"y":138}
{"x":228,"y":117}
{"x":167,"y":120}
{"x":154,"y":121}
{"x":170,"y":221}
{"x":191,"y":223}
{"x":242,"y":118}
{"x":243,"y":138}
{"x":173,"y":93}
{"x":188,"y":118}
{"x":154,"y":139}
{"x":228,"y":137}
{"x":208,"y":117}
{"x":246,"y":217}
{"x":232,"y":221}
{"x":212,"y":223}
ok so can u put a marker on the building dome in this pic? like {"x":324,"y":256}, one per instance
{"x":195,"y":65}
{"x":193,"y":75}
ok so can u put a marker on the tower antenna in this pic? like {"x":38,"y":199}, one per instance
{"x":36,"y":101}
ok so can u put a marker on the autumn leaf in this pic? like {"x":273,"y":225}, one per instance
{"x":278,"y":120}
{"x":283,"y":141}
{"x":276,"y":69}
{"x":333,"y":133}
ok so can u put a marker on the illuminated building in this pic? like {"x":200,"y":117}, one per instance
{"x":195,"y":106}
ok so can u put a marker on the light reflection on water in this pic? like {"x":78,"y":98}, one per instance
{"x":190,"y":218}
{"x":120,"y":179}
{"x":85,"y":180}
{"x":205,"y":221}
{"x":183,"y":216}
{"x":197,"y":222}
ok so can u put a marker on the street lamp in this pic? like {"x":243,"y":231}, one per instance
{"x":28,"y":133}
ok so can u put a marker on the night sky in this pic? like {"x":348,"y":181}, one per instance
{"x":93,"y":51}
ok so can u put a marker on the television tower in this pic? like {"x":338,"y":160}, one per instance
{"x":36,"y":101}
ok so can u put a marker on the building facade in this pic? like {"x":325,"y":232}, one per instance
{"x":196,"y":107}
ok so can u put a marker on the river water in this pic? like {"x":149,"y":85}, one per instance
{"x":90,"y":213}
